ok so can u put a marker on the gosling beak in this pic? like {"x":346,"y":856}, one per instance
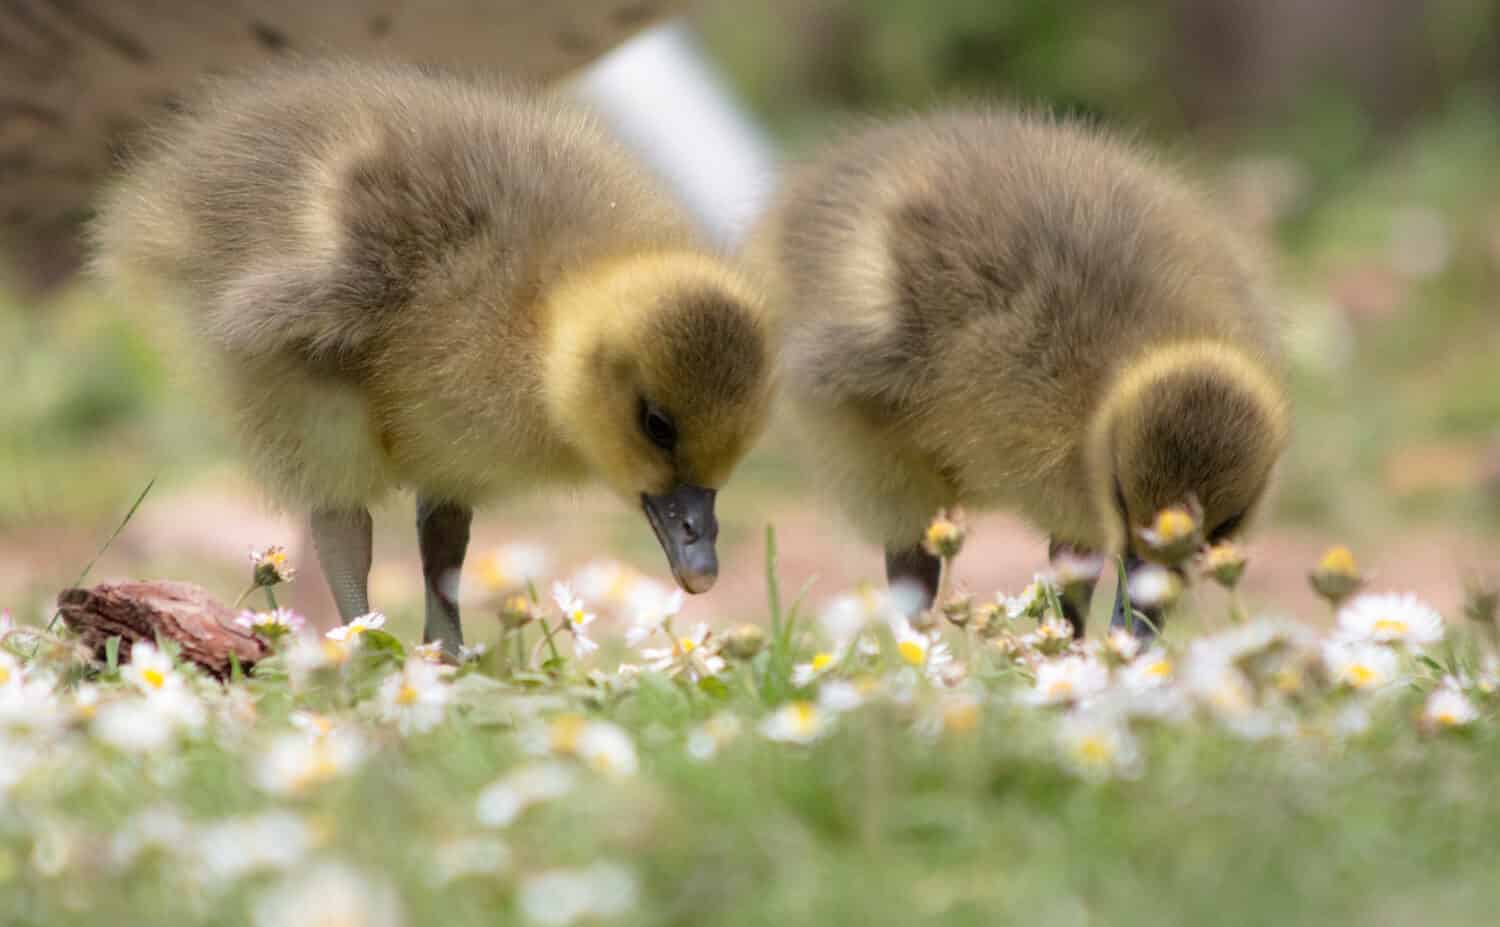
{"x":684,"y":522}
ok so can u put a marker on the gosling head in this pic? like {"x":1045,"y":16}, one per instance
{"x":1200,"y":425}
{"x":659,"y":375}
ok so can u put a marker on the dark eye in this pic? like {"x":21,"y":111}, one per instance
{"x":1226,"y":527}
{"x":658,"y":426}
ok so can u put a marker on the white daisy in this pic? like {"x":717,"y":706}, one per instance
{"x":1151,"y":670}
{"x":1154,"y":586}
{"x":605,"y":581}
{"x":688,"y":657}
{"x":330,"y":893}
{"x":17,"y":759}
{"x":502,"y":802}
{"x":233,"y":848}
{"x":707,"y":739}
{"x":1361,"y":666}
{"x":795,"y":722}
{"x":513,"y":566}
{"x":296,"y":763}
{"x":837,"y":696}
{"x":272,"y":625}
{"x":608,"y":749}
{"x":1098,"y":746}
{"x":1391,"y":619}
{"x":348,"y":633}
{"x":416,"y":697}
{"x":652,"y":606}
{"x":150,"y":670}
{"x":562,"y":897}
{"x":160,"y":829}
{"x":1030,"y":603}
{"x":804,"y":674}
{"x":1448,"y":707}
{"x":919,"y":650}
{"x":1068,"y":680}
{"x":576,"y":618}
{"x":466,"y":857}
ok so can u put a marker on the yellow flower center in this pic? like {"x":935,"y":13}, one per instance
{"x":686,"y":644}
{"x":1288,"y":680}
{"x":1339,"y":560}
{"x":565,"y":733}
{"x":820,"y":662}
{"x":1391,"y":625}
{"x":1159,"y":668}
{"x":1060,"y":688}
{"x":804,"y":716}
{"x":1095,"y":751}
{"x":912,"y":652}
{"x":334,"y":651}
{"x":961,"y":717}
{"x":407,"y":695}
{"x":4,"y":675}
{"x":1172,"y":524}
{"x":275,"y":558}
{"x":356,"y":629}
{"x":1446,"y":719}
{"x":578,"y":616}
{"x":940,"y":531}
{"x":1359,"y":675}
{"x":154,"y":678}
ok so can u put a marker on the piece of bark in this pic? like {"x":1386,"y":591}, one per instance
{"x":201,"y":626}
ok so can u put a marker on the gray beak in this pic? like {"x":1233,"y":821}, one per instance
{"x":684,"y":522}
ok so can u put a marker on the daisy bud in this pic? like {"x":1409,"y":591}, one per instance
{"x":1336,"y":576}
{"x":1154,"y":587}
{"x":271,"y":566}
{"x":945,"y":536}
{"x":988,"y":620}
{"x":745,"y":641}
{"x":1224,"y":563}
{"x":517,"y":612}
{"x":959,"y":610}
{"x":1175,"y":534}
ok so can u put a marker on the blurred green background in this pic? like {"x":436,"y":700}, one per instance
{"x":1359,"y":138}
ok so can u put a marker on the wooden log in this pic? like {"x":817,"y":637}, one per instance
{"x":201,"y":626}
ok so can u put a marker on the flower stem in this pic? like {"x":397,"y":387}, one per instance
{"x":1236,"y":607}
{"x":547,"y":635}
{"x":271,"y":597}
{"x":244,"y":595}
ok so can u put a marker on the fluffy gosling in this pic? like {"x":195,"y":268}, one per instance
{"x":993,"y":309}
{"x":408,"y":280}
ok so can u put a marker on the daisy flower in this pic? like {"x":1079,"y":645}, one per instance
{"x":688,"y":657}
{"x":162,"y":829}
{"x":1175,"y":533}
{"x":309,"y":654}
{"x":1122,"y":645}
{"x":576,"y":617}
{"x":272,"y":625}
{"x":707,"y":739}
{"x":651,"y":610}
{"x":416,"y":697}
{"x":146,"y":725}
{"x":271,"y":566}
{"x":919,"y":650}
{"x":328,"y":893}
{"x":1358,"y":665}
{"x":1097,"y":746}
{"x":502,"y":801}
{"x":795,"y":722}
{"x":960,"y":713}
{"x":484,"y":857}
{"x":1068,"y":680}
{"x":232,"y":848}
{"x":745,"y":641}
{"x":562,"y":897}
{"x":513,"y":567}
{"x":1448,"y":707}
{"x":150,"y":670}
{"x":1224,"y":563}
{"x":607,"y":749}
{"x":606,"y":581}
{"x":1391,"y":619}
{"x":296,"y":763}
{"x":1154,"y":586}
{"x":839,"y":695}
{"x":1337,"y":576}
{"x":1030,"y":603}
{"x":1151,"y":670}
{"x":804,"y":674}
{"x":944,"y":537}
{"x":349,"y":633}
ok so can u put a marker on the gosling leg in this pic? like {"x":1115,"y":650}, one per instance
{"x":916,"y":566}
{"x":1144,"y":631}
{"x":443,"y":536}
{"x":1075,"y":601}
{"x":342,"y":540}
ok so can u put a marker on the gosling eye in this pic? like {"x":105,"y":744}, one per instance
{"x":1227,"y":527}
{"x":658,"y":426}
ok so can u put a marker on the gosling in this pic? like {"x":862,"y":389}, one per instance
{"x":996,"y":309}
{"x":411,"y":280}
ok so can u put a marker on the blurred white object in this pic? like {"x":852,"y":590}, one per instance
{"x":661,"y":95}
